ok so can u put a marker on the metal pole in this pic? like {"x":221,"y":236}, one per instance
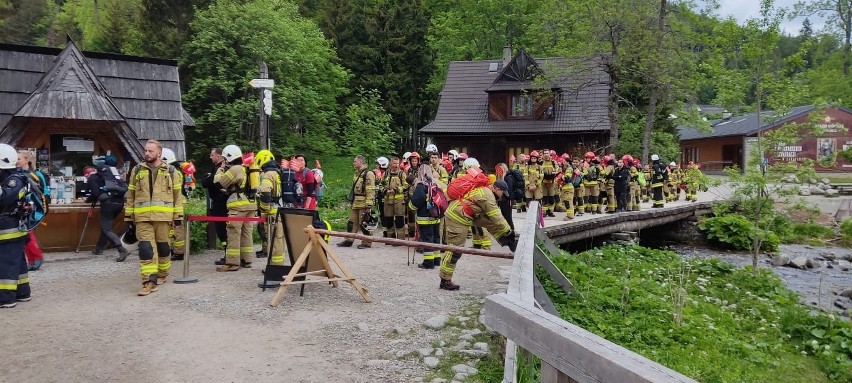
{"x":186,"y":278}
{"x":264,"y":122}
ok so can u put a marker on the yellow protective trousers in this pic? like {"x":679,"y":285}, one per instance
{"x":240,"y":240}
{"x":154,"y":259}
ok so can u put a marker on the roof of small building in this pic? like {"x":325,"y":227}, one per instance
{"x":744,"y":125}
{"x":582,"y":104}
{"x":144,"y":93}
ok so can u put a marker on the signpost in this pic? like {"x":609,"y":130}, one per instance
{"x":265,"y":84}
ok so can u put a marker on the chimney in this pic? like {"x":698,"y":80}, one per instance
{"x":507,"y":55}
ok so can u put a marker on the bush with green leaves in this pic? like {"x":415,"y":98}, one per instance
{"x":846,"y":231}
{"x":697,"y":315}
{"x":737,"y":232}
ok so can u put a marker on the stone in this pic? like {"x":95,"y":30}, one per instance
{"x":473,"y":332}
{"x":847,"y":294}
{"x":474,"y":353}
{"x":826,"y":181}
{"x":817,"y":191}
{"x":829,"y":256}
{"x":780,"y":260}
{"x":464,"y":319}
{"x":799,"y":262}
{"x":841,"y":304}
{"x":378,"y":363}
{"x":832,"y":193}
{"x":812,"y":180}
{"x":464,"y":369}
{"x":466,"y":337}
{"x":425,"y":351}
{"x":805,"y":190}
{"x":439,"y":352}
{"x":400,"y":354}
{"x":431,"y":362}
{"x":481,"y":346}
{"x":811,"y":264}
{"x":460,"y":376}
{"x":436,"y":322}
{"x":439,"y":380}
{"x":461,"y":345}
{"x":363,"y":326}
{"x":822,"y":186}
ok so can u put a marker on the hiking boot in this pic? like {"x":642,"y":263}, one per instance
{"x":225,"y":268}
{"x":244,"y":264}
{"x":363,"y":246}
{"x":98,"y":251}
{"x":8,"y":305}
{"x":345,"y":244}
{"x":448,"y":285}
{"x":147,"y":288}
{"x":567,"y":218}
{"x":260,"y":254}
{"x":25,"y":298}
{"x":177,"y":257}
{"x":220,"y":262}
{"x":122,"y":254}
{"x":428,"y":265}
{"x":486,"y":247}
{"x":162,"y":280}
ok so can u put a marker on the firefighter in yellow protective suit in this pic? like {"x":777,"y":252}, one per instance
{"x":591,"y":176}
{"x":635,"y":196}
{"x":393,"y":186}
{"x":477,"y":207}
{"x":673,"y":183}
{"x":579,"y":188}
{"x":567,"y":187}
{"x":269,"y":195}
{"x":154,"y":202}
{"x":363,"y":195}
{"x":549,"y":189}
{"x":479,"y":235}
{"x":521,"y":166}
{"x":646,"y":190}
{"x":607,"y":182}
{"x":232,"y":178}
{"x":177,"y":234}
{"x":693,"y":178}
{"x":532,"y":177}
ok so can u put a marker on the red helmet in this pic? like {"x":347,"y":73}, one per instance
{"x":512,"y":158}
{"x":565,"y":156}
{"x":627,"y":158}
{"x":534,"y":153}
{"x":462,"y":156}
{"x":590,"y":155}
{"x":553,"y":153}
{"x":414,"y":155}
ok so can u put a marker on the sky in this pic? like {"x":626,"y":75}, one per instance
{"x":745,"y":9}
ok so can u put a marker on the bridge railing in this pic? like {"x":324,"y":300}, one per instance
{"x":568,"y":353}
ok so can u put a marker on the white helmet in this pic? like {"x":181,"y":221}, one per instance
{"x":169,"y":156}
{"x":129,"y":241}
{"x":672,"y":164}
{"x":406,"y":155}
{"x":470,"y":162}
{"x":655,"y":157}
{"x":8,"y":157}
{"x":383,"y":162}
{"x":232,"y":152}
{"x":454,"y":153}
{"x":431,"y":148}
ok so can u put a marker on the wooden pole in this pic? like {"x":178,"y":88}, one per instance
{"x":264,"y":121}
{"x":433,"y":246}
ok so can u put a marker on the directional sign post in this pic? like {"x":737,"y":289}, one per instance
{"x":264,"y":84}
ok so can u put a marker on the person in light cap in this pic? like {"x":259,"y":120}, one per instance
{"x":659,"y":176}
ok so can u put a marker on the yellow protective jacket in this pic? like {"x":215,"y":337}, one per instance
{"x":364,"y":188}
{"x":590,"y":178}
{"x":233,"y":181}
{"x":393,"y":184}
{"x":606,"y":175}
{"x":154,"y":194}
{"x":479,"y":207}
{"x":440,"y":176}
{"x":269,"y":191}
{"x":532,"y":176}
{"x":549,"y":169}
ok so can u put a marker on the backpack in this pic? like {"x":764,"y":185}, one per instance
{"x":640,"y":177}
{"x":464,"y":184}
{"x":320,"y":185}
{"x":288,"y":186}
{"x":33,"y":196}
{"x":520,"y":184}
{"x":436,"y":201}
{"x":114,"y":184}
{"x":592,"y":173}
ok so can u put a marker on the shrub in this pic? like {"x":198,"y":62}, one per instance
{"x":737,"y":232}
{"x":846,"y":231}
{"x":808,"y":232}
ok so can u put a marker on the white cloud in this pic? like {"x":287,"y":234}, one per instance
{"x":742,"y":10}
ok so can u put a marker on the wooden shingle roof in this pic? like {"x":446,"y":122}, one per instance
{"x":141,"y":93}
{"x":582,"y":104}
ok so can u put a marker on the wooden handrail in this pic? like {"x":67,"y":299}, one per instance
{"x":427,"y":245}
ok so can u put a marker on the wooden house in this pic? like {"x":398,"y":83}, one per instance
{"x":493,"y":109}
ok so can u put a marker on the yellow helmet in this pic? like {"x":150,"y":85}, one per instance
{"x":262,"y":157}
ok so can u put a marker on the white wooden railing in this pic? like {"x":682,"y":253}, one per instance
{"x":568,"y":353}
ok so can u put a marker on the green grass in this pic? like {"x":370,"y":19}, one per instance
{"x":337,"y":173}
{"x":706,"y":319}
{"x":844,"y":179}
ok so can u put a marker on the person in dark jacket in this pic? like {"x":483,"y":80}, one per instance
{"x":509,"y":196}
{"x":216,"y":199}
{"x":427,"y":225}
{"x":501,"y":190}
{"x":111,"y":205}
{"x":622,"y":186}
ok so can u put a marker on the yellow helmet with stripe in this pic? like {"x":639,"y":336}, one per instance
{"x":262,"y":157}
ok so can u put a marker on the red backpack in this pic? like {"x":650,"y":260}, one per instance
{"x":437,"y":201}
{"x":460,"y":186}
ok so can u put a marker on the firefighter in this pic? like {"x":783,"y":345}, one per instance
{"x":521,"y":167}
{"x":479,"y":236}
{"x":14,"y":276}
{"x":154,"y":202}
{"x":111,"y":206}
{"x":549,"y":189}
{"x":441,"y":175}
{"x":479,"y":207}
{"x":591,"y":176}
{"x":532,"y":175}
{"x":646,"y":191}
{"x":177,"y":233}
{"x":672,"y":190}
{"x":635,"y":197}
{"x":364,"y":194}
{"x":567,"y":188}
{"x":269,"y":193}
{"x":232,"y":179}
{"x":393,"y":187}
{"x":608,"y":175}
{"x":579,"y":188}
{"x":692,"y":178}
{"x":458,"y":166}
{"x":428,"y":226}
{"x":410,"y":180}
{"x":382,"y":164}
{"x":659,"y":176}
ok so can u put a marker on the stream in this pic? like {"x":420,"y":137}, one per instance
{"x":820,"y":286}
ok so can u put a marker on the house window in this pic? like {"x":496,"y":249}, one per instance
{"x":522,"y":105}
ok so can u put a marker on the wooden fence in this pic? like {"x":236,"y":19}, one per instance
{"x":568,"y":353}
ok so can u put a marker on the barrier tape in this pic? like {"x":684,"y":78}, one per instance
{"x":207,"y":218}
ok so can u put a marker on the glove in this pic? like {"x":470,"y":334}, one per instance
{"x":509,"y":240}
{"x":178,"y":222}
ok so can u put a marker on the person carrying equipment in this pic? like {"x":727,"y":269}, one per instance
{"x":479,"y":236}
{"x":269,"y":197}
{"x":591,"y":174}
{"x":362,"y":195}
{"x":427,"y":223}
{"x":393,"y":213}
{"x":658,"y":181}
{"x":232,"y":178}
{"x":112,"y":200}
{"x":693,"y":179}
{"x":410,"y":179}
{"x":567,"y":189}
{"x":178,"y":232}
{"x":154,"y":201}
{"x":607,"y":181}
{"x":14,"y":276}
{"x":549,"y":190}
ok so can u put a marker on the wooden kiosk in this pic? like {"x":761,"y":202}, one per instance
{"x":68,"y":106}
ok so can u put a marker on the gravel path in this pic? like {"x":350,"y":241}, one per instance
{"x":85,"y":323}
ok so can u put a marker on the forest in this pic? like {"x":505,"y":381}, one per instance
{"x":360,"y":76}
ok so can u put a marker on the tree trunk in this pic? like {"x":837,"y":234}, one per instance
{"x":613,"y":104}
{"x":651,"y":115}
{"x":756,"y":242}
{"x":846,"y":16}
